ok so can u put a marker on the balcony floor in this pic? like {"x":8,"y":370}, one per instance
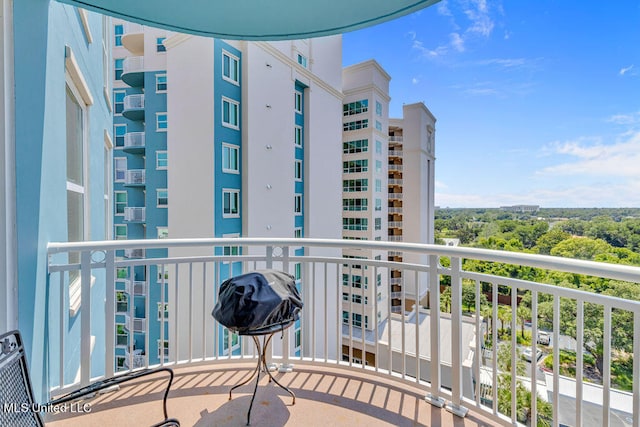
{"x":325,"y":396}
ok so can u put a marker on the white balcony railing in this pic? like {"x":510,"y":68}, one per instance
{"x":134,"y":102}
{"x":395,"y":168}
{"x":135,"y":177}
{"x":135,"y":287}
{"x":135,"y":324}
{"x":395,"y":196}
{"x":395,"y":153}
{"x":395,"y":181}
{"x":134,"y":140}
{"x":133,"y":64}
{"x":135,"y":214}
{"x":133,"y":253}
{"x":393,"y":210}
{"x":394,"y":238}
{"x":396,"y":139}
{"x":449,"y":368}
{"x":395,"y":224}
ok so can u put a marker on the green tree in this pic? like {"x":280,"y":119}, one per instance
{"x":523,"y":314}
{"x":504,"y":316}
{"x":445,"y":300}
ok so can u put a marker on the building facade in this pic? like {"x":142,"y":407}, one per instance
{"x":140,"y":193}
{"x":55,"y":148}
{"x":411,"y":198}
{"x":380,"y":157}
{"x":254,"y":131}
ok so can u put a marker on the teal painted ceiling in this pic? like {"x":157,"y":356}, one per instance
{"x":256,"y":19}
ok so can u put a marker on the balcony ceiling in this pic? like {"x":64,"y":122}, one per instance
{"x":257,"y":19}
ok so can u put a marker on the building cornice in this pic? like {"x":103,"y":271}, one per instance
{"x":176,"y":40}
{"x":267,"y":47}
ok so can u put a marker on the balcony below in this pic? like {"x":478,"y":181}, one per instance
{"x":133,"y":71}
{"x":133,"y":38}
{"x":135,"y":178}
{"x":325,"y":396}
{"x":134,"y":107}
{"x":134,"y":141}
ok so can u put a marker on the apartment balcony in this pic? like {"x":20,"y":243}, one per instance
{"x":396,"y":139}
{"x":395,"y":196}
{"x":133,"y":71}
{"x":395,"y":210}
{"x":134,"y":141}
{"x":134,"y":107}
{"x":134,"y":253}
{"x":394,"y":238}
{"x":395,"y":224}
{"x":397,"y":168}
{"x":135,"y":178}
{"x":134,"y":214}
{"x":135,"y":287}
{"x":395,"y":181}
{"x":133,"y":38}
{"x":395,"y":153}
{"x":135,"y":324}
{"x":411,"y":369}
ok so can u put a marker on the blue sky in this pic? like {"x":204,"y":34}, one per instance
{"x":537,"y":102}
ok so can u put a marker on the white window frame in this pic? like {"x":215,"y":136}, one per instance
{"x":302,"y":60}
{"x":234,"y":193}
{"x":116,"y":203}
{"x":229,"y":148}
{"x":297,"y":170}
{"x":297,"y":204}
{"x":236,"y":106}
{"x":297,"y":136}
{"x":158,"y":159}
{"x":117,"y":160}
{"x":115,"y":102}
{"x":117,"y":126}
{"x":75,"y":83}
{"x":118,"y":37}
{"x":233,"y":59}
{"x":116,"y":235}
{"x":297,"y":102}
{"x":160,"y":47}
{"x":158,"y":190}
{"x":115,"y":70}
{"x":159,"y":83}
{"x":159,"y":121}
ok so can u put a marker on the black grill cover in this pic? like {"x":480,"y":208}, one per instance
{"x":257,"y":300}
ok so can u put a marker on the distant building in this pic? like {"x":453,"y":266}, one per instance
{"x":521,"y":208}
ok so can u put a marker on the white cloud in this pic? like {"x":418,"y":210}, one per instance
{"x":478,"y":13}
{"x":625,"y":119}
{"x":443,"y":8}
{"x":624,"y":70}
{"x":620,"y":159}
{"x":457,"y":42}
{"x":415,"y":80}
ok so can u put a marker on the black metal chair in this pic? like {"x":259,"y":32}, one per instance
{"x":17,"y":405}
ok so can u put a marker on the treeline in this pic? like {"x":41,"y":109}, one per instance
{"x":608,"y":235}
{"x":604,"y":235}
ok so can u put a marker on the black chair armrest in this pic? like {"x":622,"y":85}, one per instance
{"x":119,"y":379}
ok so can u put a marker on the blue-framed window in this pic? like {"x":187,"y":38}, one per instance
{"x":118,"y":68}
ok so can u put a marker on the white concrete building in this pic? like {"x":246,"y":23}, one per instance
{"x":255,"y":133}
{"x":411,"y":196}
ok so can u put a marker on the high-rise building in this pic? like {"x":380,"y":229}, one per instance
{"x":388,"y":194}
{"x":140,"y":193}
{"x":411,"y":198}
{"x":253,"y":148}
{"x":365,"y":113}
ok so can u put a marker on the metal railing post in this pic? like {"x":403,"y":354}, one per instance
{"x":434,"y":312}
{"x":456,"y":339}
